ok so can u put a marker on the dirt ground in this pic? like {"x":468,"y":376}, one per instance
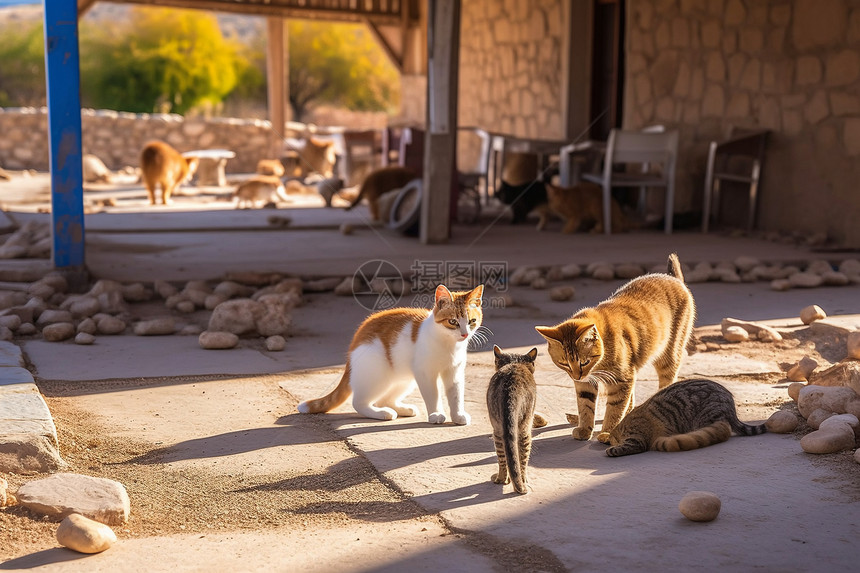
{"x":168,"y":501}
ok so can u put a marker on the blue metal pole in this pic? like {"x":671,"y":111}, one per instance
{"x":62,"y":71}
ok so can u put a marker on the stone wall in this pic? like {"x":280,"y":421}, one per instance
{"x":791,"y":66}
{"x":117,"y":137}
{"x":510,"y":67}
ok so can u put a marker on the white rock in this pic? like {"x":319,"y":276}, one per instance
{"x":745,"y":263}
{"x":85,"y":307}
{"x":828,"y":441}
{"x":10,"y":321}
{"x":211,"y":340}
{"x":812,"y":313}
{"x":805,"y":280}
{"x":230,"y":289}
{"x":186,"y":306}
{"x":26,"y":329}
{"x":164,"y":289}
{"x":782,"y":422}
{"x":84,"y":338}
{"x":753,"y":328}
{"x":562,"y":293}
{"x":105,"y":286}
{"x":84,"y":535}
{"x":539,"y":283}
{"x":347,"y":287}
{"x":628,"y":271}
{"x":4,"y":486}
{"x":819,"y":267}
{"x":736,"y":334}
{"x":136,"y":292}
{"x":853,"y":344}
{"x":112,"y":302}
{"x":837,"y":419}
{"x":110,"y":325}
{"x":780,"y":285}
{"x":700,"y":506}
{"x":835,"y":278}
{"x":58,"y":332}
{"x":190,"y":330}
{"x":50,"y":316}
{"x":62,"y":494}
{"x":794,"y":390}
{"x":698,"y":276}
{"x":573,"y":271}
{"x":275,"y":343}
{"x":321,"y":285}
{"x":196,"y":296}
{"x":831,"y":398}
{"x":850,"y":267}
{"x":801,"y":371}
{"x":214,"y":300}
{"x":155,"y":327}
{"x":603,"y":273}
{"x":816,"y":417}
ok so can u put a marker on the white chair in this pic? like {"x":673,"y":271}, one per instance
{"x":476,"y":176}
{"x":740,"y":159}
{"x":645,"y":149}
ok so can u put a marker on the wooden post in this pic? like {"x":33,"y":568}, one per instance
{"x":62,"y":72}
{"x":443,"y":51}
{"x":277,"y":71}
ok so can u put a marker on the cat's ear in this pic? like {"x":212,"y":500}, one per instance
{"x":532,"y":354}
{"x":475,"y":296}
{"x":551,"y":333}
{"x":591,"y":334}
{"x":442,"y":293}
{"x":497,"y":351}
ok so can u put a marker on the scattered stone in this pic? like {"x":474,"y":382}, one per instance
{"x":284,"y":286}
{"x":572,"y":271}
{"x":275,"y":343}
{"x":728,"y":276}
{"x":155,"y":327}
{"x":828,"y":441}
{"x":752,"y":327}
{"x":539,"y":283}
{"x":815,"y":419}
{"x":196,"y":296}
{"x":51,"y":316}
{"x":63,"y":494}
{"x":186,"y":306}
{"x":852,"y":342}
{"x":838,"y":399}
{"x":58,"y":332}
{"x":812,"y":313}
{"x":562,"y":293}
{"x":10,"y":321}
{"x":700,"y":506}
{"x":745,"y":263}
{"x":4,"y":486}
{"x":806,"y":280}
{"x":164,"y":289}
{"x":84,"y":338}
{"x":112,"y":302}
{"x":780,"y":285}
{"x":794,"y":390}
{"x":267,"y":316}
{"x":736,"y":334}
{"x":844,"y":373}
{"x":801,"y":371}
{"x":347,"y":287}
{"x":554,"y":274}
{"x":190,"y":330}
{"x":835,"y":278}
{"x":782,"y":422}
{"x":214,"y":300}
{"x":211,"y":340}
{"x":231,"y":289}
{"x":819,"y":267}
{"x":110,"y":325}
{"x":84,"y":535}
{"x":173,"y":300}
{"x":346,"y":229}
{"x":27,"y":329}
{"x":503,"y":300}
{"x":629,"y":271}
{"x":136,"y":292}
{"x":253,"y":278}
{"x":321,"y":285}
{"x":603,"y":273}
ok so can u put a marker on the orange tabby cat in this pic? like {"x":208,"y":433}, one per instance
{"x":380,"y":182}
{"x":259,"y":188}
{"x":394,"y":349}
{"x":649,"y":319}
{"x":582,"y":205}
{"x":160,"y":164}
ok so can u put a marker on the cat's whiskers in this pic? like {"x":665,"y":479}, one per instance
{"x":479,"y":338}
{"x":596,"y":376}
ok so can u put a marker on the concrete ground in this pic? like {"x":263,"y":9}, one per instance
{"x":782,"y":510}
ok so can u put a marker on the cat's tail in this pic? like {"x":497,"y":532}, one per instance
{"x":357,"y":199}
{"x":331,"y":400}
{"x":743,"y":429}
{"x":511,"y":439}
{"x":675,"y":267}
{"x":708,"y":436}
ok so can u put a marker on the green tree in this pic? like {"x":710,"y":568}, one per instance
{"x":22,"y":73}
{"x":339,"y":64}
{"x":160,"y":60}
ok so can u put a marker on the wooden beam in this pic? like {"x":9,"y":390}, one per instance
{"x":577,"y":46}
{"x":443,"y":49}
{"x":277,"y":80}
{"x":395,"y":58}
{"x":63,"y":79}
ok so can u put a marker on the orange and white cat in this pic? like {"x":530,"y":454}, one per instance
{"x":394,"y":349}
{"x":160,"y":164}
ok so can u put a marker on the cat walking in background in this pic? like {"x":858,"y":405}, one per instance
{"x":380,"y":182}
{"x":161,"y":164}
{"x":649,"y":319}
{"x":687,"y":415}
{"x":259,"y":188}
{"x":394,"y":349}
{"x":511,"y":399}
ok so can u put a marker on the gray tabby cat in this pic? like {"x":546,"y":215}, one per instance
{"x":686,"y":415}
{"x":511,"y":398}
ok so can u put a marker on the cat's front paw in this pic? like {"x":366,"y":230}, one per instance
{"x":504,"y":481}
{"x":614,"y":451}
{"x":539,"y":420}
{"x":462,"y":418}
{"x":581,"y":433}
{"x":436,"y":418}
{"x":603,"y":437}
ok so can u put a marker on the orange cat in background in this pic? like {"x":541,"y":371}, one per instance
{"x":161,"y":164}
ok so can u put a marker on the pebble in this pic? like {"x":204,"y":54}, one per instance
{"x":782,"y":422}
{"x":11,"y":321}
{"x":346,"y":287}
{"x":26,"y":329}
{"x":164,"y":289}
{"x":700,"y":506}
{"x":857,"y":456}
{"x":853,"y":343}
{"x":794,"y":390}
{"x":780,"y":285}
{"x":84,"y":338}
{"x":562,"y":293}
{"x":84,"y":535}
{"x":806,"y":280}
{"x":829,"y":440}
{"x":539,"y":283}
{"x":155,"y":327}
{"x":736,"y":334}
{"x":4,"y":486}
{"x":186,"y":306}
{"x":817,"y":416}
{"x":214,"y":300}
{"x":603,"y":273}
{"x":275,"y":343}
{"x":801,"y":371}
{"x":110,"y":325}
{"x":835,"y":278}
{"x":629,"y":271}
{"x":51,"y":316}
{"x":346,"y":229}
{"x":812,"y":313}
{"x":215,"y":340}
{"x":136,"y":292}
{"x":58,"y":332}
{"x":573,"y":271}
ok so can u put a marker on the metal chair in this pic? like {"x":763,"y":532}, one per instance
{"x":645,"y":149}
{"x":476,"y":176}
{"x":740,"y":159}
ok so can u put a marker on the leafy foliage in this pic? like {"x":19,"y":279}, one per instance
{"x":165,"y":60}
{"x":22,"y":74}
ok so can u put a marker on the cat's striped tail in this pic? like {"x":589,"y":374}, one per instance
{"x":743,"y":429}
{"x":331,"y":400}
{"x":511,"y":439}
{"x":675,"y":267}
{"x":707,"y":436}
